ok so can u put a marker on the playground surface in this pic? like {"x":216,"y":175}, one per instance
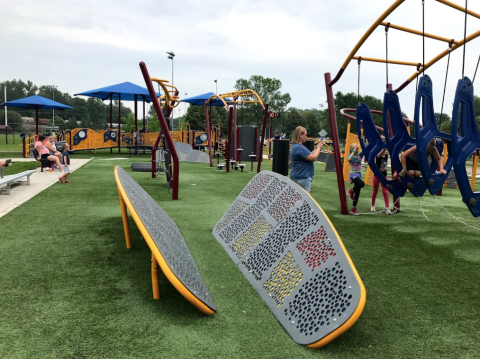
{"x":39,"y":181}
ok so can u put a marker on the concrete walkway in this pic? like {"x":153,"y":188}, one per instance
{"x":20,"y":192}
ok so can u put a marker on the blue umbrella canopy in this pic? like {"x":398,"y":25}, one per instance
{"x":200,"y":100}
{"x":36,"y":102}
{"x":125,"y":91}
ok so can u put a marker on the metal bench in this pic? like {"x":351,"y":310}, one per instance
{"x":7,"y":181}
{"x":45,"y":163}
{"x":168,"y":247}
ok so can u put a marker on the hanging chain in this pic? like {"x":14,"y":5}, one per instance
{"x":358,"y":87}
{"x":450,"y":44}
{"x":386,"y":53}
{"x":423,"y":27}
{"x":464,"y":39}
{"x":478,"y":62}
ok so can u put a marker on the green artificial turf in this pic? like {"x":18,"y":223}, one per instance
{"x":17,"y":167}
{"x":71,"y":289}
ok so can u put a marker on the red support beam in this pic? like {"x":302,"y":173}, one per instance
{"x":229,"y":136}
{"x":336,"y":147}
{"x":165,"y":130}
{"x":260,"y":152}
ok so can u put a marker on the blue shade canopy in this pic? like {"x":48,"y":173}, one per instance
{"x":200,"y":100}
{"x":36,"y":102}
{"x":125,"y":91}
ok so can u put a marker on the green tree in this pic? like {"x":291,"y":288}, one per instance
{"x":292,"y":119}
{"x":153,"y":125}
{"x":269,"y":91}
{"x":196,"y":118}
{"x":71,"y":123}
{"x":129,"y":123}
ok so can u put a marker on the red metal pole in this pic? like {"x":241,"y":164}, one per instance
{"x":164,"y":127}
{"x":260,"y":152}
{"x":143,"y":114}
{"x":208,"y":133}
{"x":336,"y":147}
{"x":24,"y":146}
{"x":270,"y":135}
{"x":229,"y":134}
{"x":235,"y":130}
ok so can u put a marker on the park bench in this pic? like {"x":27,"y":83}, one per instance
{"x":7,"y":181}
{"x":289,"y":251}
{"x":45,"y":163}
{"x":164,"y":239}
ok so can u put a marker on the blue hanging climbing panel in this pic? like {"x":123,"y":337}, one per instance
{"x":399,"y":141}
{"x":375,"y":145}
{"x":424,"y":134}
{"x":465,"y":144}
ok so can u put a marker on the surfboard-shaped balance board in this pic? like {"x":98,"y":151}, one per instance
{"x":288,"y":249}
{"x":165,"y":241}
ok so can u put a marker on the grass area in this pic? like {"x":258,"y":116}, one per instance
{"x":70,"y":288}
{"x":10,"y":146}
{"x":17,"y":167}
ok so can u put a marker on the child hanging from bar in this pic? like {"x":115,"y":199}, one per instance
{"x":381,"y":160}
{"x":355,"y":161}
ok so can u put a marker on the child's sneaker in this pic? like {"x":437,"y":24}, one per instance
{"x":354,"y":211}
{"x":395,"y":176}
{"x":387,"y":211}
{"x":372,"y":209}
{"x":350,"y":194}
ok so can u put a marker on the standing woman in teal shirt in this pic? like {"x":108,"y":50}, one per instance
{"x":302,"y":159}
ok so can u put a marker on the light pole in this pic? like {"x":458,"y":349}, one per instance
{"x":186,"y":104}
{"x":171,"y":55}
{"x":216,"y":89}
{"x":53,"y":111}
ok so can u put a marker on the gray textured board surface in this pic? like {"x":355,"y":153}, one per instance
{"x":167,"y":238}
{"x":187,"y":154}
{"x":286,"y":247}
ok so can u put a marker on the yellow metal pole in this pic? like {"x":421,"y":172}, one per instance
{"x":126,"y":228}
{"x":155,"y":285}
{"x":462,"y":9}
{"x":474,"y":171}
{"x":416,"y":32}
{"x":372,"y":59}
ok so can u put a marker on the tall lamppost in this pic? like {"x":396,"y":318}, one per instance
{"x":186,"y":104}
{"x":171,"y":55}
{"x":216,"y":90}
{"x":53,"y":111}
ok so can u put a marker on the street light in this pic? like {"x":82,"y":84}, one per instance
{"x":216,"y":90}
{"x":171,"y":55}
{"x":53,"y":96}
{"x":186,"y":104}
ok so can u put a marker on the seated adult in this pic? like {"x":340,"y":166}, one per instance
{"x":45,"y":153}
{"x":5,"y":163}
{"x":50,"y":144}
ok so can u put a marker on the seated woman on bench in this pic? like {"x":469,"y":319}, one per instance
{"x":45,"y":153}
{"x":50,"y":144}
{"x":4,"y":164}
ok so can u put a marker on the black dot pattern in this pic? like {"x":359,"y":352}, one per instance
{"x":288,"y":250}
{"x":316,"y":248}
{"x":245,"y":220}
{"x":250,"y":237}
{"x":280,"y":208}
{"x":167,"y":238}
{"x":320,"y":302}
{"x":237,"y":207}
{"x":270,"y":250}
{"x":256,"y":185}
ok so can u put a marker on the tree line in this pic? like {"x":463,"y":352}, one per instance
{"x":93,"y":113}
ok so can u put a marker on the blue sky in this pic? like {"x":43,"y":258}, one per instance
{"x":82,"y":45}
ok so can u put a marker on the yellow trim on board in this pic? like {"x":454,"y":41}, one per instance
{"x":158,"y":255}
